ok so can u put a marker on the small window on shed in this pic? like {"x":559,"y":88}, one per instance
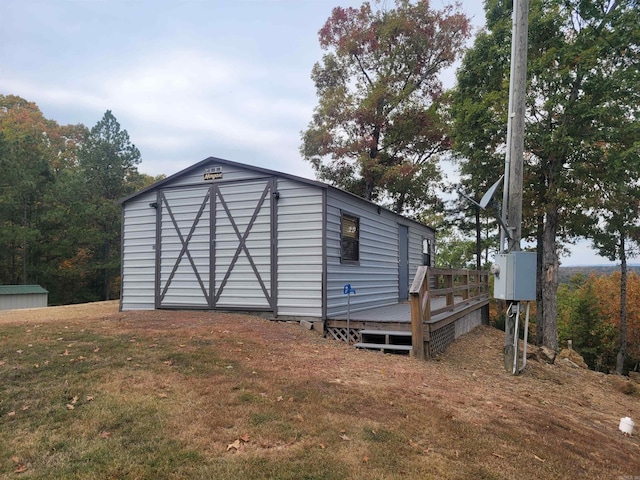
{"x":426,"y":252}
{"x":350,"y":227}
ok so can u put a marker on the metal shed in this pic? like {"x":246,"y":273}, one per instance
{"x":22,"y":296}
{"x":224,"y":235}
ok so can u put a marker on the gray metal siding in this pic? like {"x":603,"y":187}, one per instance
{"x":138,"y":254}
{"x":375,"y":277}
{"x":416,"y":234}
{"x":229,"y":174}
{"x":299,"y":249}
{"x":24,"y":300}
{"x":242,"y":287}
{"x":181,"y":283}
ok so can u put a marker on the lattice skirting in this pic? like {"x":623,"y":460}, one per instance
{"x":339,"y":333}
{"x":442,"y":338}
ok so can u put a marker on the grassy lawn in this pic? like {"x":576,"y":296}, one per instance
{"x":217,"y":396}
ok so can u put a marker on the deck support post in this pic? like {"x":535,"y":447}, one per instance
{"x":420,"y":311}
{"x":417,"y":332}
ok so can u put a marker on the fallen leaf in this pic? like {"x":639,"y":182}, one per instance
{"x":18,"y":351}
{"x":2,"y":363}
{"x":25,"y":407}
{"x":36,"y":365}
{"x":15,"y":459}
{"x":129,"y":359}
{"x":70,"y":407}
{"x":66,"y":353}
{"x":182,"y":345}
{"x":153,"y":345}
{"x":300,"y":418}
{"x":90,"y":398}
{"x":345,"y":437}
{"x":322,"y":446}
{"x":365,"y":459}
{"x":11,"y":414}
{"x":105,"y":434}
{"x":21,"y":469}
{"x":235,"y":445}
{"x":74,"y":400}
{"x":168,"y":363}
{"x":163,"y":395}
{"x":96,"y":350}
{"x":245,"y":438}
{"x":290,"y":399}
{"x":279,"y":399}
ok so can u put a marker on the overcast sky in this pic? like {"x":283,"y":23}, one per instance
{"x":188,"y":79}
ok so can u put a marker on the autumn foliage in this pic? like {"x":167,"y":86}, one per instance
{"x":589,"y":315}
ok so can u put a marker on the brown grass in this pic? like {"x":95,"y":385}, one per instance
{"x":212,"y":395}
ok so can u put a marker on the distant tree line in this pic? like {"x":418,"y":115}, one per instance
{"x":59,"y":217}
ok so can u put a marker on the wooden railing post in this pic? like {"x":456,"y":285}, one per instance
{"x":449,"y":286}
{"x":419,"y":288}
{"x":465,"y":281}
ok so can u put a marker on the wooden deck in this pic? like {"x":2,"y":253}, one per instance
{"x":385,"y":317}
{"x":444,"y":304}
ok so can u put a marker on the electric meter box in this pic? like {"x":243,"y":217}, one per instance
{"x":515,"y":276}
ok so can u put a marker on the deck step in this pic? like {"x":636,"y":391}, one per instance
{"x":398,"y":333}
{"x":398,"y":341}
{"x":384,"y":347}
{"x":388,"y":337}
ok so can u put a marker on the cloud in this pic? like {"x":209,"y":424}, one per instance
{"x":181,"y":100}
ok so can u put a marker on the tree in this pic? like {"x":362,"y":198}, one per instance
{"x":583,"y":321}
{"x":26,"y":176}
{"x":377,"y":129}
{"x":108,"y":167}
{"x":581,"y":57}
{"x":616,"y":224}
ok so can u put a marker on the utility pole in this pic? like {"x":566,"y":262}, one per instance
{"x":512,"y":196}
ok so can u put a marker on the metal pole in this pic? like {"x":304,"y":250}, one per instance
{"x":349,"y":316}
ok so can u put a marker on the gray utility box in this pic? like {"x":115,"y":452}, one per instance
{"x":515,"y":276}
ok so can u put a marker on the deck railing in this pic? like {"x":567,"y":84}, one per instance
{"x":440,"y":297}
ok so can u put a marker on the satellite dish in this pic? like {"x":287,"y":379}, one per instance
{"x":486,"y":198}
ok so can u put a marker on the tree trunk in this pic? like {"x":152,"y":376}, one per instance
{"x":622,"y":353}
{"x":539,"y":281}
{"x":550,"y":266}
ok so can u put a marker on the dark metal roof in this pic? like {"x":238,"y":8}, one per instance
{"x":21,"y":289}
{"x":264,"y":171}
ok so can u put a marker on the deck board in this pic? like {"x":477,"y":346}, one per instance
{"x":398,"y":313}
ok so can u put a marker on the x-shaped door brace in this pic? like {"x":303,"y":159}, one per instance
{"x":185,"y":245}
{"x":242,"y":246}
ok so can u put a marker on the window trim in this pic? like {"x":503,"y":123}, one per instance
{"x":356,"y":241}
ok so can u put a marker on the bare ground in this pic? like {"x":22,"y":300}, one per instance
{"x":550,"y":422}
